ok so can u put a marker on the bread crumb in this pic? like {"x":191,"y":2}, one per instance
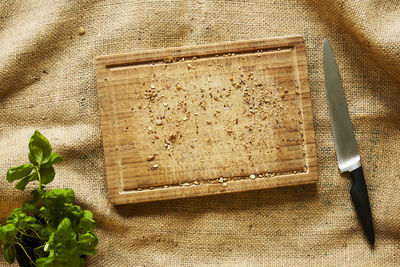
{"x":81,"y":31}
{"x":168,"y":59}
{"x":151,"y":157}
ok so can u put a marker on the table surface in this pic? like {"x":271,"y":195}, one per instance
{"x":48,"y":82}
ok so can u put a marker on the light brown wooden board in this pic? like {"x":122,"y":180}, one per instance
{"x":218,"y":118}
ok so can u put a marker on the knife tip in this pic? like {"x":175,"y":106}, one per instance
{"x":371,"y":241}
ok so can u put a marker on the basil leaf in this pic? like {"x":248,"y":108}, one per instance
{"x":88,"y":215}
{"x":19,"y":172}
{"x":44,"y":214}
{"x":73,"y":261}
{"x":15,"y":216}
{"x":47,"y":175}
{"x":26,"y":222}
{"x":54,"y":158}
{"x":58,"y":197}
{"x":9,"y":254}
{"x":32,"y":160}
{"x":39,"y":147}
{"x":82,"y":262}
{"x":87,"y":243}
{"x":2,"y":235}
{"x":74,"y":212}
{"x":37,"y":226}
{"x":8,"y":233}
{"x":23,"y":182}
{"x":36,"y":196}
{"x":33,"y":176}
{"x":46,"y":261}
{"x":47,"y":231}
{"x":30,"y":206}
{"x":86,"y":223}
{"x":64,"y":230}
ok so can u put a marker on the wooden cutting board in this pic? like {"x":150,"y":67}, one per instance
{"x":209,"y":119}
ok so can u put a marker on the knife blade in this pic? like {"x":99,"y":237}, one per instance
{"x":345,"y":142}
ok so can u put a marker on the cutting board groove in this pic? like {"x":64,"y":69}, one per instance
{"x":215,"y":118}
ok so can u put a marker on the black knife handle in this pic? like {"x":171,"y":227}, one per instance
{"x":359,"y":195}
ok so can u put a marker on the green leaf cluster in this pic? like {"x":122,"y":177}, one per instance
{"x":64,"y":232}
{"x":41,"y":168}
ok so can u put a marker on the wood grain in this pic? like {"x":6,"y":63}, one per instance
{"x":201,"y":120}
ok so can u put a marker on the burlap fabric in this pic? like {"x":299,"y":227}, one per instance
{"x":47,"y":82}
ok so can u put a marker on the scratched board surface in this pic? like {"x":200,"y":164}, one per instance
{"x":209,"y":119}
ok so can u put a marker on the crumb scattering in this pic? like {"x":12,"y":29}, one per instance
{"x":242,"y":112}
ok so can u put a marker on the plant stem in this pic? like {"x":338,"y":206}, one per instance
{"x":25,"y":252}
{"x":40,"y":246}
{"x":39,"y":178}
{"x":36,"y":233}
{"x":23,"y":233}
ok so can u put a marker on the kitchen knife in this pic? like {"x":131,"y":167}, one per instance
{"x":345,"y":143}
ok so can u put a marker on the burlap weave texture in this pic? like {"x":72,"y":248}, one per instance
{"x":47,"y":82}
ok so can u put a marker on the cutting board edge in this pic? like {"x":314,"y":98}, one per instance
{"x":118,"y":198}
{"x":104,"y":61}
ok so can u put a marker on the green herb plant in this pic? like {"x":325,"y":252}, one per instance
{"x":62,"y":233}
